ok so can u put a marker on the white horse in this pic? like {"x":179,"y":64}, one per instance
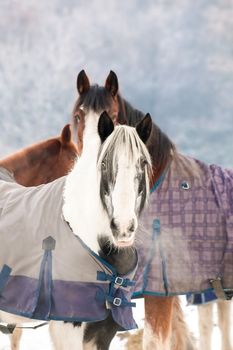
{"x":103,"y":197}
{"x":107,"y":215}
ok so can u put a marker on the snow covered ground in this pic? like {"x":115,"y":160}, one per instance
{"x":39,"y":339}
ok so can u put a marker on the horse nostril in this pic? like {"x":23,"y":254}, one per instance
{"x":131,"y":227}
{"x":113,"y":225}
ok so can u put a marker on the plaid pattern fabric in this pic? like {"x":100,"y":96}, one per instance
{"x":188,"y":230}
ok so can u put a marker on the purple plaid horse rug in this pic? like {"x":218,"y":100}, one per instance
{"x":186,"y":244}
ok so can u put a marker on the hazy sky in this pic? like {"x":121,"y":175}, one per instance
{"x":173,"y":59}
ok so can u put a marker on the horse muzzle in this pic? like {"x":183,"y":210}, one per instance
{"x":123,"y":235}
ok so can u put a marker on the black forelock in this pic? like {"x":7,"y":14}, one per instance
{"x":97,"y":98}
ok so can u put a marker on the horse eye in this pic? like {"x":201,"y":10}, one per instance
{"x":143,"y":162}
{"x":77,"y":118}
{"x":140,"y":188}
{"x":103,"y":166}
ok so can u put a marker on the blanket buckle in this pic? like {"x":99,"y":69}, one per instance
{"x":117,"y":301}
{"x":222,"y":294}
{"x":119,"y":281}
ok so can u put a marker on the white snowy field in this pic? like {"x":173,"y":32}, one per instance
{"x":39,"y":339}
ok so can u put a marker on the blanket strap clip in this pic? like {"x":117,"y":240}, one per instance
{"x":219,"y":290}
{"x":8,"y":329}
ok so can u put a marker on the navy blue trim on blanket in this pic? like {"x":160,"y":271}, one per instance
{"x":4,"y":276}
{"x":156,"y":227}
{"x":141,"y":293}
{"x":202,"y":298}
{"x":41,"y":281}
{"x":158,"y":182}
{"x":43,"y":300}
{"x":45,"y":288}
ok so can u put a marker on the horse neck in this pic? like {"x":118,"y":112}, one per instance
{"x":127,"y":113}
{"x":28,"y":165}
{"x":82,"y":205}
{"x":18,"y":164}
{"x":162,"y":152}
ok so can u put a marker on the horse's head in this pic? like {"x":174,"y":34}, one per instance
{"x":94,"y":99}
{"x":124,"y":165}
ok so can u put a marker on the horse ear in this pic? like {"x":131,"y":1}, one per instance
{"x":105,"y":126}
{"x":83,"y":84}
{"x":144,"y":128}
{"x":66,"y":134}
{"x":111,"y":83}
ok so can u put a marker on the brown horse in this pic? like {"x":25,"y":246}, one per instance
{"x":38,"y":164}
{"x":42,"y":162}
{"x":165,"y":328}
